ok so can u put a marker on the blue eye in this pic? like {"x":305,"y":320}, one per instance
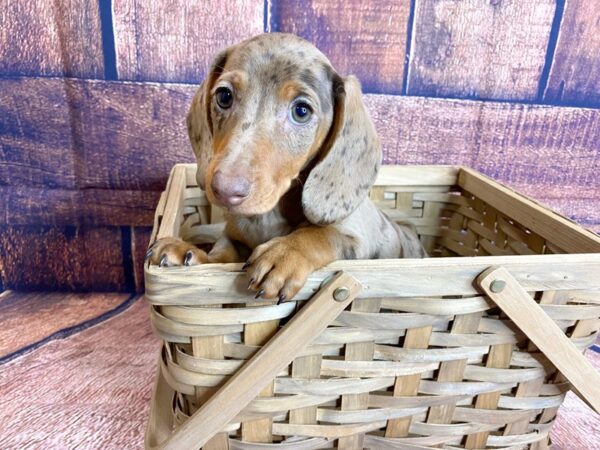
{"x":224,"y":97}
{"x":301,"y":112}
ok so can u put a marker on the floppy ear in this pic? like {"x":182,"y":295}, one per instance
{"x":199,"y":123}
{"x":349,"y":160}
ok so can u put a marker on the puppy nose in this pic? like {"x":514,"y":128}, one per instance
{"x":230,"y":190}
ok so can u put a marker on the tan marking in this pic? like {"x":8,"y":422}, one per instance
{"x":335,"y":160}
{"x":282,"y":265}
{"x":237,"y":78}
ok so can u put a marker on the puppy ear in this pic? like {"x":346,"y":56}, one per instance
{"x":199,"y":121}
{"x":349,"y":160}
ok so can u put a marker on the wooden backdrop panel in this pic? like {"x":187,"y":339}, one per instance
{"x":62,"y":258}
{"x":127,"y":136}
{"x":175,"y":40}
{"x":367,"y":39}
{"x":479,"y":49}
{"x":574,"y":76}
{"x":36,"y":144}
{"x":553,"y":149}
{"x":78,"y":134}
{"x":583,"y":210}
{"x":41,"y":37}
{"x":131,"y":133}
{"x":91,"y":207}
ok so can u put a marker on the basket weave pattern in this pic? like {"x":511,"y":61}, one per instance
{"x":393,"y":371}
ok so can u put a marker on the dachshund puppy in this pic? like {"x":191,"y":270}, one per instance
{"x":287,"y":148}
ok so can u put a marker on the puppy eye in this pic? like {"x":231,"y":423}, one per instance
{"x":224,"y":97}
{"x":301,"y":112}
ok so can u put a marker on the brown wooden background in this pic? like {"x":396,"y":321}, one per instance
{"x":93,"y":96}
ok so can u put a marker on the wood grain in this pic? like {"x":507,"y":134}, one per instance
{"x":61,"y":258}
{"x":358,"y":351}
{"x":258,"y":371}
{"x":92,"y":207}
{"x":90,"y":390}
{"x":209,"y":347}
{"x":175,"y":40}
{"x":408,"y":385}
{"x":414,"y":277}
{"x":553,"y":150}
{"x":128,"y":136}
{"x":574,"y":73}
{"x":259,"y":334}
{"x":29,"y":317}
{"x":555,"y":229}
{"x":32,"y":154}
{"x":305,"y":367}
{"x":498,"y":358}
{"x":584,"y":211}
{"x":367,"y":39}
{"x":112,"y":394}
{"x":60,"y":37}
{"x":135,"y":133}
{"x":477,"y":49}
{"x":131,"y":135}
{"x":454,"y":370}
{"x":96,"y":134}
{"x":523,"y":310}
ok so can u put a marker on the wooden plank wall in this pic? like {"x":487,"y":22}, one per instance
{"x":93,"y":97}
{"x":477,"y":49}
{"x":574,"y":76}
{"x":364,"y":38}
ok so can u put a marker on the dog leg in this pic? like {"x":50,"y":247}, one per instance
{"x":279,"y":268}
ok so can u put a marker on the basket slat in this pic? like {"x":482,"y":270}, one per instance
{"x":259,"y":334}
{"x":209,"y":347}
{"x":423,"y":358}
{"x":263,"y":367}
{"x":544,"y":333}
{"x":454,"y":370}
{"x":409,"y":384}
{"x":359,"y":351}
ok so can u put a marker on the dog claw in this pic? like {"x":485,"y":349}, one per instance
{"x":163,"y":261}
{"x":259,"y":293}
{"x":246,"y":265}
{"x":282,"y":298}
{"x":148,"y":254}
{"x":251,"y":282}
{"x":188,"y":258}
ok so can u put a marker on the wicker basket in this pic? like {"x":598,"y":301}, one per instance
{"x":419,"y":353}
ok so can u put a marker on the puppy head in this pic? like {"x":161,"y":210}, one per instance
{"x":270,"y":108}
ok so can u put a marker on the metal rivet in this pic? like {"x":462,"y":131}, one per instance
{"x":341,"y":294}
{"x":497,"y":286}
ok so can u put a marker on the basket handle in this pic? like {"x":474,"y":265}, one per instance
{"x":281,"y":350}
{"x":517,"y":304}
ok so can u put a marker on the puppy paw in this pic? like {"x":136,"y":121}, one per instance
{"x":278,"y":269}
{"x":168,"y":252}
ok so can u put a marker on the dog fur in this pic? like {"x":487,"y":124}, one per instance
{"x":307,"y":203}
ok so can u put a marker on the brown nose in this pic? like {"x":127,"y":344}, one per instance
{"x":230,"y":190}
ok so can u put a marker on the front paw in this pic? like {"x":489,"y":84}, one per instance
{"x":278,"y":269}
{"x":168,"y":252}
